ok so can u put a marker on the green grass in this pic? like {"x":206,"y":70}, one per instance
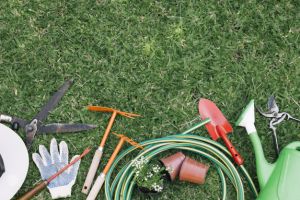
{"x":155,"y":58}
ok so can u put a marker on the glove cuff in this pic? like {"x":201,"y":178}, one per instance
{"x":61,"y":191}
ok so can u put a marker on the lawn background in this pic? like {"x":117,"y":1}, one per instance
{"x":154,"y":58}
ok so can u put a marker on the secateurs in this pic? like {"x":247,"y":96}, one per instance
{"x":35,"y":126}
{"x":276,"y":118}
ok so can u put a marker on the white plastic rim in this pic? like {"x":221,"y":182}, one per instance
{"x":16,"y":162}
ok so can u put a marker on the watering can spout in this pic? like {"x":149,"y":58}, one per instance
{"x":246,"y":120}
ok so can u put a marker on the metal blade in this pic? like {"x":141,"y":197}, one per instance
{"x":272,"y":106}
{"x":266,"y":114}
{"x":64,"y":128}
{"x":208,"y":109}
{"x":53,"y":101}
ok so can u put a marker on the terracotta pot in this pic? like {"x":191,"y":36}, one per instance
{"x":174,"y":163}
{"x":193,"y":171}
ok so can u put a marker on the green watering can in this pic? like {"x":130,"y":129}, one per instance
{"x":280,"y":180}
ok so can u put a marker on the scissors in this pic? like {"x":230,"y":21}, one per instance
{"x":36,"y":126}
{"x":276,"y":118}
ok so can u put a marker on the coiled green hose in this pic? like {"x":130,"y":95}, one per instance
{"x":122,"y":186}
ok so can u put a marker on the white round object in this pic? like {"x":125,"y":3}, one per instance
{"x":16,"y":162}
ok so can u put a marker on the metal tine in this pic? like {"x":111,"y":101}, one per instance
{"x":129,"y":115}
{"x":133,"y":143}
{"x":127,"y":139}
{"x":53,"y":101}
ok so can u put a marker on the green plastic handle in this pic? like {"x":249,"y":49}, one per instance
{"x":264,"y":169}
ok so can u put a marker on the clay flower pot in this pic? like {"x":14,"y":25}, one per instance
{"x":173,"y":164}
{"x":193,"y":171}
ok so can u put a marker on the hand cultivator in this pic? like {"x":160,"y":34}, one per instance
{"x":101,"y":178}
{"x":98,"y":154}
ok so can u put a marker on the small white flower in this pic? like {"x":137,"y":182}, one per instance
{"x":137,"y":173}
{"x":170,"y":169}
{"x":156,"y":169}
{"x":149,"y":175}
{"x":139,"y":163}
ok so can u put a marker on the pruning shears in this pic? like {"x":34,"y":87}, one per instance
{"x":276,"y":118}
{"x":35,"y":126}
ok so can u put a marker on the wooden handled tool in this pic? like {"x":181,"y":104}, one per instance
{"x":43,"y":184}
{"x":98,"y":154}
{"x":101,"y":178}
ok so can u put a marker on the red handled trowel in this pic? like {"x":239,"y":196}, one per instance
{"x":218,"y":126}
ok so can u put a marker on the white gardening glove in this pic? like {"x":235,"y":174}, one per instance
{"x":49,"y":164}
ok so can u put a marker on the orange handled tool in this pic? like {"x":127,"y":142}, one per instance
{"x":101,"y":178}
{"x":38,"y":188}
{"x":98,"y":154}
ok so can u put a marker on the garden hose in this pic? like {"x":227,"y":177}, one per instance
{"x":122,"y":186}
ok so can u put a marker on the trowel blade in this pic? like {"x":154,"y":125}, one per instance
{"x":208,"y":109}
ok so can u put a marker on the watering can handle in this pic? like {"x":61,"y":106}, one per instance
{"x":234,"y":153}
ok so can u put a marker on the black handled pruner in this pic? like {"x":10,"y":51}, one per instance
{"x":35,"y":126}
{"x":276,"y":118}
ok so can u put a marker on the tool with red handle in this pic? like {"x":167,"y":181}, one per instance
{"x":218,"y":126}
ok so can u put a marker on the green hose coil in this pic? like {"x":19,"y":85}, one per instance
{"x":123,"y":184}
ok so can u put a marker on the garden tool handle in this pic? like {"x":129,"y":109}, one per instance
{"x":108,"y":128}
{"x":96,"y":187}
{"x":38,"y":188}
{"x":92,"y":170}
{"x":113,"y":156}
{"x":234,"y":153}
